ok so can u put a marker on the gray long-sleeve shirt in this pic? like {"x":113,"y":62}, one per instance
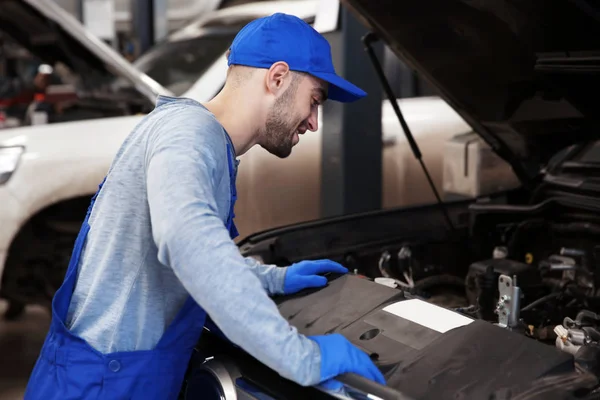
{"x":158,"y":234}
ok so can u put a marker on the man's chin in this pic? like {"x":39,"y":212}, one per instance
{"x":279,"y":152}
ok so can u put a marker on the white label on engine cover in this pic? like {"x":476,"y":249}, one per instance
{"x":428,"y":315}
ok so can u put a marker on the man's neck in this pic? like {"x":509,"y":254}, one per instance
{"x":237,"y":114}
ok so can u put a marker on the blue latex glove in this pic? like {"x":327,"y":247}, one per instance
{"x":332,"y":386}
{"x":303,"y":275}
{"x":339,"y":356}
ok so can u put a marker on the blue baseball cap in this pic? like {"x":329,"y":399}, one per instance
{"x":283,"y":37}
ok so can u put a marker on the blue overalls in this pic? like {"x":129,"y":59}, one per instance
{"x":69,"y":368}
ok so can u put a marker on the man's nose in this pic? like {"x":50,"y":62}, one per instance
{"x":313,"y":119}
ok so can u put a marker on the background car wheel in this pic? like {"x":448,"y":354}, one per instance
{"x":36,"y":264}
{"x":14,"y":311}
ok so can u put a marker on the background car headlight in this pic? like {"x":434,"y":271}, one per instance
{"x":9,"y":160}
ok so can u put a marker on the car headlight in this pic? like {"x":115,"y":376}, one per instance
{"x":9,"y":160}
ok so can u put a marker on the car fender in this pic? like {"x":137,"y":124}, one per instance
{"x":60,"y":162}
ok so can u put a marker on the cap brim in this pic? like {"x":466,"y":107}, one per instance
{"x":340,"y":89}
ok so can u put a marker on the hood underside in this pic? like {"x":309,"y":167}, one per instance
{"x":523,"y":74}
{"x":51,"y":34}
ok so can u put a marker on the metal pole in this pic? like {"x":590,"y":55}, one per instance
{"x":149,"y":22}
{"x":352,"y":139}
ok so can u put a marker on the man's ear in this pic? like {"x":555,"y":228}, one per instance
{"x":277,"y":76}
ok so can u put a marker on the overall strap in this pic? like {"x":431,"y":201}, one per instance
{"x":233,"y":232}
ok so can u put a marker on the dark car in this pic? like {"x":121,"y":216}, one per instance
{"x":495,"y":297}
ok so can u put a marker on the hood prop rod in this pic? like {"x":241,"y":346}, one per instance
{"x":367,"y":40}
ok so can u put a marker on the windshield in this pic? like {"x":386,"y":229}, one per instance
{"x":178,"y":65}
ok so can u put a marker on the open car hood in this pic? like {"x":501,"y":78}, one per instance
{"x":52,"y":34}
{"x":523,"y":74}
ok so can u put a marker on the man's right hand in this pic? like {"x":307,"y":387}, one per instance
{"x":339,"y":356}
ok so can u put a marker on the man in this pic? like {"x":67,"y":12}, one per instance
{"x":155,"y":254}
{"x":17,"y":90}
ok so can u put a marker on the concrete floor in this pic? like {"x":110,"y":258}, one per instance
{"x":20,"y":342}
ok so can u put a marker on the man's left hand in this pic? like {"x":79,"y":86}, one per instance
{"x":304,"y":274}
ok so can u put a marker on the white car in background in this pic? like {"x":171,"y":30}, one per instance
{"x":48,"y":172}
{"x":178,"y":12}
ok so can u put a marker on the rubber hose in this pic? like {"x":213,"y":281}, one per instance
{"x":541,"y":300}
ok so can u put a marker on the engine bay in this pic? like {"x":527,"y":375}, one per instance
{"x":525,"y":273}
{"x":552,"y":263}
{"x":540,"y":280}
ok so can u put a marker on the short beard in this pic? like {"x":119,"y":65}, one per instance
{"x":278,"y":135}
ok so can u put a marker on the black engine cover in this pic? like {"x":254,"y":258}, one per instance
{"x":425,"y":351}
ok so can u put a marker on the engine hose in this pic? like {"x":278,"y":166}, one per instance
{"x":551,"y":228}
{"x":577,"y":227}
{"x":555,"y":283}
{"x":541,"y":300}
{"x":586,"y":314}
{"x":438,"y":280}
{"x":521,"y":230}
